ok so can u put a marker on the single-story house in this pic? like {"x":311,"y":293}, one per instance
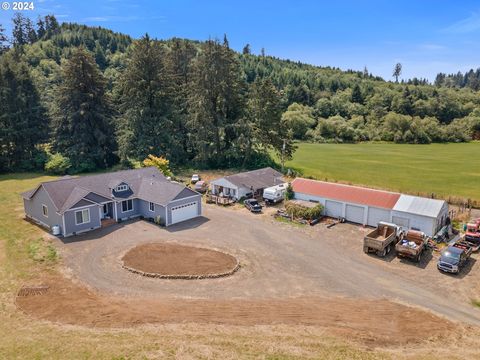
{"x":80,"y":204}
{"x":368,"y":206}
{"x":239,"y":185}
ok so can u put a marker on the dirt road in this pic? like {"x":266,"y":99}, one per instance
{"x":278,"y":262}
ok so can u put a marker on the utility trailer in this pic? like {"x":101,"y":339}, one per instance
{"x":382,"y":239}
{"x":412,"y":245}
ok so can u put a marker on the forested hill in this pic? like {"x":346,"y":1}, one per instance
{"x":77,"y":98}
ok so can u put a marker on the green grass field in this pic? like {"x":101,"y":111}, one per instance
{"x":447,"y":170}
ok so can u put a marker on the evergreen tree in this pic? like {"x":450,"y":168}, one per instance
{"x":145,"y":124}
{"x":30,"y":31}
{"x":246,"y":50}
{"x":216,"y":105}
{"x":51,"y":25}
{"x":357,"y":96}
{"x":40,"y":28}
{"x":3,"y":40}
{"x":82,"y":126}
{"x":265,"y":112}
{"x":100,"y":58}
{"x":179,"y":64}
{"x":397,"y":71}
{"x":365,"y":72}
{"x":23,"y":122}
{"x":19,"y":32}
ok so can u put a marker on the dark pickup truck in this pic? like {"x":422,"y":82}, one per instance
{"x":454,"y":257}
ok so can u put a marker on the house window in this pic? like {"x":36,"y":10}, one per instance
{"x":82,"y":216}
{"x":45,"y":210}
{"x":121,"y":188}
{"x":151,"y":206}
{"x":127,"y":205}
{"x":105,"y":209}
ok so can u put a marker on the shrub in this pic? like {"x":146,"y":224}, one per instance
{"x":58,"y":164}
{"x":298,"y":211}
{"x":159,"y":162}
{"x":289,"y":192}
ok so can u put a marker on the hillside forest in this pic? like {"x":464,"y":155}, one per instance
{"x":75,"y":98}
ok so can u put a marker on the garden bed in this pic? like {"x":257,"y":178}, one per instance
{"x":173,"y":261}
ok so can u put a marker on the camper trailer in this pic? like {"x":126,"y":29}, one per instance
{"x":274,"y":194}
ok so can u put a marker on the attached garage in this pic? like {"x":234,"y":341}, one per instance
{"x":355,"y":213}
{"x":184,"y":212}
{"x":333,"y":209}
{"x":375,"y":215}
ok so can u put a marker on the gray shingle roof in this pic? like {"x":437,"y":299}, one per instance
{"x":148,"y":184}
{"x":256,"y":179}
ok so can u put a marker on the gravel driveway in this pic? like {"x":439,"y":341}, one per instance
{"x":278,"y":261}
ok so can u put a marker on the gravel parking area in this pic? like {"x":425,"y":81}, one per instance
{"x":277,"y":261}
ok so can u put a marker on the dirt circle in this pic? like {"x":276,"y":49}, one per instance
{"x":173,"y":261}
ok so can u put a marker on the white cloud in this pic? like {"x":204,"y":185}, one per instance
{"x":467,"y":25}
{"x":109,"y":18}
{"x":431,"y":47}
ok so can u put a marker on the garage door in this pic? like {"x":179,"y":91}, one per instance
{"x":401,"y":221}
{"x":375,"y":215}
{"x":333,"y":208}
{"x":355,"y":214}
{"x":184,"y":212}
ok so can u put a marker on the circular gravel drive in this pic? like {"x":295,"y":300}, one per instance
{"x":178,"y":261}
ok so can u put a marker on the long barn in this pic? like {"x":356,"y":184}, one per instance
{"x":369,"y":206}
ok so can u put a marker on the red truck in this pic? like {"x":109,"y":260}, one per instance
{"x":473,"y":230}
{"x":472,"y":234}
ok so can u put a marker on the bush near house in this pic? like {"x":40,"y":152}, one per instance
{"x":57,"y":164}
{"x":160,"y":163}
{"x":289,"y":194}
{"x":296,"y":210}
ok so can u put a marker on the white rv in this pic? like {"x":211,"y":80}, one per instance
{"x":275,"y":193}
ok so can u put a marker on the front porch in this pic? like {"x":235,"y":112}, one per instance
{"x":107,"y":211}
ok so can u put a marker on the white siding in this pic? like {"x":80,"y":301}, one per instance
{"x":416,"y":222}
{"x":215,"y":186}
{"x":375,"y":215}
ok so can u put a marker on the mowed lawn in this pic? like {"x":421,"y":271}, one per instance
{"x":443,"y":169}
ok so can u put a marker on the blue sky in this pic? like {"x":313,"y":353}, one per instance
{"x":425,"y":36}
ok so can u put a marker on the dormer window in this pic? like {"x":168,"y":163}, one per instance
{"x":121,"y":188}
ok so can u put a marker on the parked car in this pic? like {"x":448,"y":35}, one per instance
{"x":195,"y":178}
{"x":454,"y":258}
{"x":200,"y":186}
{"x":253,"y":205}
